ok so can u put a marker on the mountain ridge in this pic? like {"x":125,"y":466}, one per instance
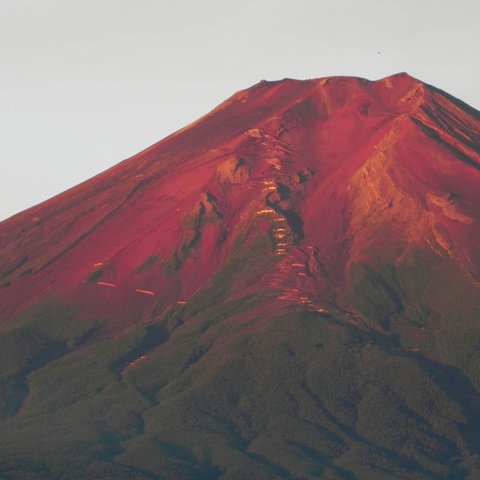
{"x":286,"y":288}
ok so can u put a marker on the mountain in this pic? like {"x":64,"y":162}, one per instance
{"x":288,"y":288}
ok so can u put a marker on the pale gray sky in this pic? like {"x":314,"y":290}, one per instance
{"x":85,"y":84}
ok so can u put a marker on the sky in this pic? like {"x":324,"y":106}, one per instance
{"x":85,"y":84}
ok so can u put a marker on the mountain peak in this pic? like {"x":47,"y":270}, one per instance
{"x":285,"y":133}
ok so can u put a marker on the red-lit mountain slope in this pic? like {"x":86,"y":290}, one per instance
{"x":305,"y":257}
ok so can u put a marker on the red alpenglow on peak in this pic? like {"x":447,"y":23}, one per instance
{"x":321,"y":173}
{"x":287,"y":288}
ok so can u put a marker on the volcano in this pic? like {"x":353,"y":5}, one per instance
{"x":288,"y":288}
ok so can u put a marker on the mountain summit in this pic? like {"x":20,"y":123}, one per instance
{"x":288,"y":288}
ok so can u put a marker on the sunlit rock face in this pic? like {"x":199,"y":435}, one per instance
{"x":287,"y":288}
